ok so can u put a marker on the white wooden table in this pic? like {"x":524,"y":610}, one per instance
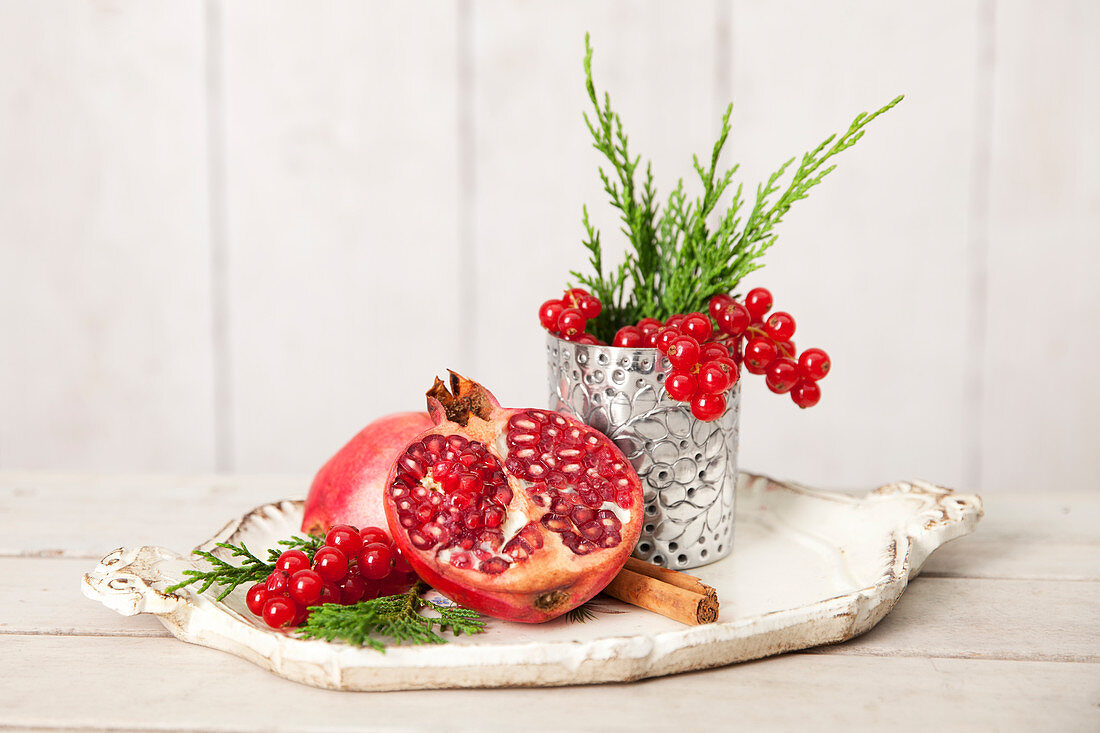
{"x":1000,"y":632}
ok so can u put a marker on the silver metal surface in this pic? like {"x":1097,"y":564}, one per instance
{"x":688,"y":467}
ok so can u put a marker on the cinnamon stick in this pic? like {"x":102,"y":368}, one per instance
{"x":672,"y":594}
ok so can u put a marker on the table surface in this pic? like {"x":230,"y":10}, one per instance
{"x":1000,"y":632}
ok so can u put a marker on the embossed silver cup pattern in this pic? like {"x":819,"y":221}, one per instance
{"x":688,"y":467}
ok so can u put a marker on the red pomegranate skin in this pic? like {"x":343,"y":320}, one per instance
{"x":543,"y":583}
{"x":348,"y":488}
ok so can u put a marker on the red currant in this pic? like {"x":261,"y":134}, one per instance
{"x":782,"y":374}
{"x":587,"y":338}
{"x":292,"y":561}
{"x":758,"y":301}
{"x":306,"y":587}
{"x":375,"y":561}
{"x":329,"y":594}
{"x":787,"y":349}
{"x":277,"y":583}
{"x":734,"y":319}
{"x":301,"y":615}
{"x":780,"y":326}
{"x":257,"y":596}
{"x":374,"y":534}
{"x":649,"y":325}
{"x":680,"y":386}
{"x":814,"y":364}
{"x":571,"y":322}
{"x":707,"y":407}
{"x":806,"y":393}
{"x":548,"y":314}
{"x":718,"y":304}
{"x":697,"y":326}
{"x":628,"y":337}
{"x":330,"y":564}
{"x":344,"y":538}
{"x":712,"y":351}
{"x":572,"y":297}
{"x":730,"y":367}
{"x":352,"y":589}
{"x":589,"y":305}
{"x":279,"y":612}
{"x":713,"y":378}
{"x":675,"y":321}
{"x":400,"y":564}
{"x":759,"y":353}
{"x":683,"y":352}
{"x":665,"y":337}
{"x":650,"y":340}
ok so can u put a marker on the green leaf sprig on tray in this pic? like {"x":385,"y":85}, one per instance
{"x":252,"y":569}
{"x":397,"y":617}
{"x":676,"y":260}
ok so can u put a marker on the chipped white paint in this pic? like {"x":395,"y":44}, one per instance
{"x":810,"y":568}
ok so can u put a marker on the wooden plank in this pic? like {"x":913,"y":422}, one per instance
{"x":837,"y":692}
{"x":1040,"y":422}
{"x":535,"y":166}
{"x":42,"y":596}
{"x":1021,"y":537}
{"x":1050,"y":535}
{"x":971,"y":618}
{"x":1023,"y":620}
{"x":104,"y":310}
{"x":341,"y":157}
{"x":872,"y":265}
{"x":88,"y":516}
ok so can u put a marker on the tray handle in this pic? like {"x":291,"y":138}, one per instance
{"x":123,"y":581}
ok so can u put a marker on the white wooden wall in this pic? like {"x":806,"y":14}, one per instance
{"x":232,"y":233}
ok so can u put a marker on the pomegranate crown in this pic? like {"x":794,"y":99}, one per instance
{"x":464,"y":399}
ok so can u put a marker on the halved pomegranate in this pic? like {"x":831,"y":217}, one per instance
{"x":520,"y":514}
{"x":348,"y":488}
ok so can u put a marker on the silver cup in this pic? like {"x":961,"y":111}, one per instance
{"x":688,"y":467}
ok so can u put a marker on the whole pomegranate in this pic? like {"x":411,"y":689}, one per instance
{"x":520,"y":514}
{"x":348,"y":489}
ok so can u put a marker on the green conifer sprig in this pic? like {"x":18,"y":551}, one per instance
{"x":396,"y":617}
{"x":682,"y":255}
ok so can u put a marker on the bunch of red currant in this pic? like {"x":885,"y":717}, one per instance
{"x":768,"y":347}
{"x":569,"y":316}
{"x":704,"y":351}
{"x":354,"y":565}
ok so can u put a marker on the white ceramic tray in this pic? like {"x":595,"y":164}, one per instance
{"x":808,"y":567}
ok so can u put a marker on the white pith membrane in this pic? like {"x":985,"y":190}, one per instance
{"x":452,"y":495}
